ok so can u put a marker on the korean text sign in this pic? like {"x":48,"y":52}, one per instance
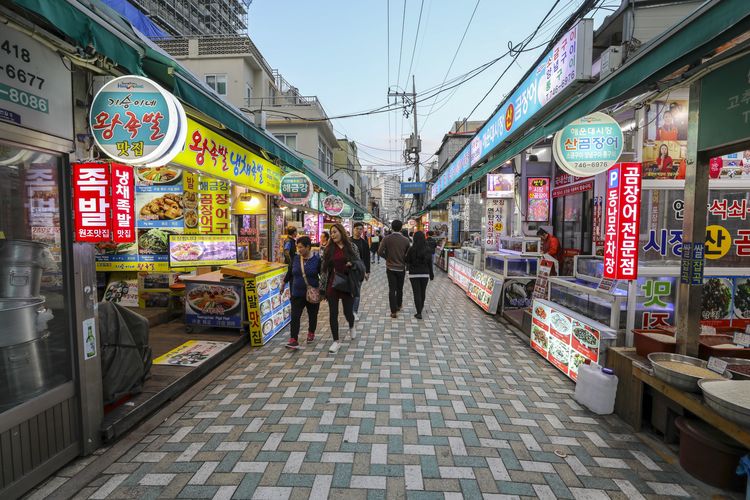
{"x":211,"y":153}
{"x":538,"y":194}
{"x":622,"y":219}
{"x":135,"y":121}
{"x":103,"y":201}
{"x":568,"y":61}
{"x":589,"y":145}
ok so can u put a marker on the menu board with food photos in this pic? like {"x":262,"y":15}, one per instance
{"x":485,"y":290}
{"x":193,"y":250}
{"x":269,"y":308}
{"x":460,"y":273}
{"x":566,"y":339}
{"x":159,"y":213}
{"x":214,"y":304}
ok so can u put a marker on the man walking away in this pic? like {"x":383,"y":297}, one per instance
{"x":374,"y":245}
{"x":431,"y":241}
{"x":393,"y":248}
{"x":360,"y":242}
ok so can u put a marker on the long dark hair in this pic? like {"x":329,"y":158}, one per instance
{"x":419,"y":245}
{"x":344,"y":240}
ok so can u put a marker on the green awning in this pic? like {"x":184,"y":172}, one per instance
{"x":709,"y":27}
{"x":91,"y":22}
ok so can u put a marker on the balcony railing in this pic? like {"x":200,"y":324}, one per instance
{"x":282,"y":100}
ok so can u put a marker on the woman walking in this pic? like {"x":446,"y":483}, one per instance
{"x":303,"y":277}
{"x":419,"y":263}
{"x":342,"y":272}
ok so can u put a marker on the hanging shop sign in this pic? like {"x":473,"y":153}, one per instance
{"x":500,"y":185}
{"x":123,"y":204}
{"x":413,"y":187}
{"x":208,"y":152}
{"x":91,"y":202}
{"x":347,"y":212}
{"x":332,"y":204}
{"x":135,"y":121}
{"x":567,"y":63}
{"x":538,"y":199}
{"x":724,"y":105}
{"x":496,"y":215}
{"x":296,"y":188}
{"x":589,"y":145}
{"x":35,"y":86}
{"x":622,"y":221}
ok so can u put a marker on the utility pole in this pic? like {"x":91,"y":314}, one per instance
{"x":413,"y":144}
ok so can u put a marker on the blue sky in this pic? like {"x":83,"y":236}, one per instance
{"x":338,"y":51}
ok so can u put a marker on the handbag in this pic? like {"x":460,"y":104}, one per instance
{"x":313,"y":294}
{"x":341,"y":282}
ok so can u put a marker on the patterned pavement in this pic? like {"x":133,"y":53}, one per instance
{"x":453,"y":406}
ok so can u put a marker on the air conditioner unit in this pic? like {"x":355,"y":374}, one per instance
{"x":260,"y":119}
{"x":611,"y":59}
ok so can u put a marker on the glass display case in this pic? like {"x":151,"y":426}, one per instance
{"x":510,"y":264}
{"x":520,"y":245}
{"x":583,"y":295}
{"x":469,"y":255}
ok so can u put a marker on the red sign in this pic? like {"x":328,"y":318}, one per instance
{"x":91,"y":200}
{"x":622,"y":219}
{"x":572,"y":189}
{"x":123,"y":209}
{"x":538,"y":194}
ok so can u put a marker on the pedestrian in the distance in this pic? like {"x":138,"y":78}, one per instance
{"x":419,"y":263}
{"x":358,"y":237}
{"x":303,"y":277}
{"x":290,"y":246}
{"x":325,"y":237}
{"x":431,"y":241}
{"x":342,"y":270}
{"x":374,"y":244}
{"x":393,"y":248}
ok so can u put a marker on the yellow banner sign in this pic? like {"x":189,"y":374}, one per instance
{"x":209,"y":152}
{"x":112,"y":266}
{"x":213,"y":209}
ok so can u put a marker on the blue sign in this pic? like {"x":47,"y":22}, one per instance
{"x":568,"y":61}
{"x":413,"y":187}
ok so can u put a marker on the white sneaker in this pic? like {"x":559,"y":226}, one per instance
{"x":353,"y":332}
{"x":334,"y":347}
{"x":356,"y":316}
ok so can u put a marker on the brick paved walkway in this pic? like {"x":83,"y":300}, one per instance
{"x":450,"y":407}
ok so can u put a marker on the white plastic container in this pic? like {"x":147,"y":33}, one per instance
{"x":596,"y":388}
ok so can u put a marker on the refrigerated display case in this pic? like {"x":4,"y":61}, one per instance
{"x":517,"y":272}
{"x":442,"y":256}
{"x":520,"y":245}
{"x":470,"y":255}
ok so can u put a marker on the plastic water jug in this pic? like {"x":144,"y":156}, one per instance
{"x":596,"y":388}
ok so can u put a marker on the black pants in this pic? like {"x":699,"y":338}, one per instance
{"x":419,"y":289}
{"x":333,"y":313}
{"x":374,"y":252}
{"x":298,"y":305}
{"x":395,"y":289}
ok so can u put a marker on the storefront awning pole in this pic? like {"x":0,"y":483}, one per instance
{"x":689,"y":296}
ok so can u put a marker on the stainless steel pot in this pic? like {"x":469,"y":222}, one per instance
{"x":18,"y":318}
{"x":26,"y":371}
{"x":21,"y":251}
{"x":20,"y":281}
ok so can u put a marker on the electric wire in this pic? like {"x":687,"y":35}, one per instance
{"x":401,"y":48}
{"x":414,"y":49}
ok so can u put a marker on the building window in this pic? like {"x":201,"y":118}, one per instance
{"x":248,"y":93}
{"x":218,"y":83}
{"x":325,"y":157}
{"x":289,"y":139}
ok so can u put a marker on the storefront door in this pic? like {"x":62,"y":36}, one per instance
{"x":572,"y":226}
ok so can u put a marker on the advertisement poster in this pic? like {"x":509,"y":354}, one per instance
{"x":191,"y":353}
{"x":42,"y":206}
{"x":122,"y":289}
{"x":123,"y":204}
{"x":563,"y":340}
{"x":665,"y":139}
{"x":159,"y":213}
{"x":460,"y":273}
{"x":91,"y":202}
{"x":153,"y":289}
{"x":496,"y":220}
{"x":192,"y":250}
{"x":213,"y":305}
{"x":214,"y":199}
{"x":500,"y":185}
{"x":269,"y":309}
{"x":538,"y":196}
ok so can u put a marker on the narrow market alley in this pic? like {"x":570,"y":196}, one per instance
{"x":453,"y":406}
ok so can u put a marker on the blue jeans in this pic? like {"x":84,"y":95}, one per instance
{"x":355,"y":307}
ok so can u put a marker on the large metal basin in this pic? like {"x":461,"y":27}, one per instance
{"x":20,"y":280}
{"x":679,"y":380}
{"x":18,"y":320}
{"x":26,"y":371}
{"x":22,"y":251}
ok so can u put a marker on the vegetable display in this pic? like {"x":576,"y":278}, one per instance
{"x":717,"y":299}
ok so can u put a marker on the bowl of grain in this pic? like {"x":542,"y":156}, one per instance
{"x":729,"y":398}
{"x":683,"y":372}
{"x":738,"y":367}
{"x":648,"y":341}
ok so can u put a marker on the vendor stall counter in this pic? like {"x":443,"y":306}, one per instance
{"x":516,"y":275}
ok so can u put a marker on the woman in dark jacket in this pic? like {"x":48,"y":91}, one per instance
{"x":341,"y":258}
{"x":309,"y":262}
{"x":419,"y":264}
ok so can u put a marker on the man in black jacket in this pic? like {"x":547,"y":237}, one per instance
{"x":359,"y":240}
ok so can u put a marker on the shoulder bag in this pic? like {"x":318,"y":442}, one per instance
{"x":313,"y":294}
